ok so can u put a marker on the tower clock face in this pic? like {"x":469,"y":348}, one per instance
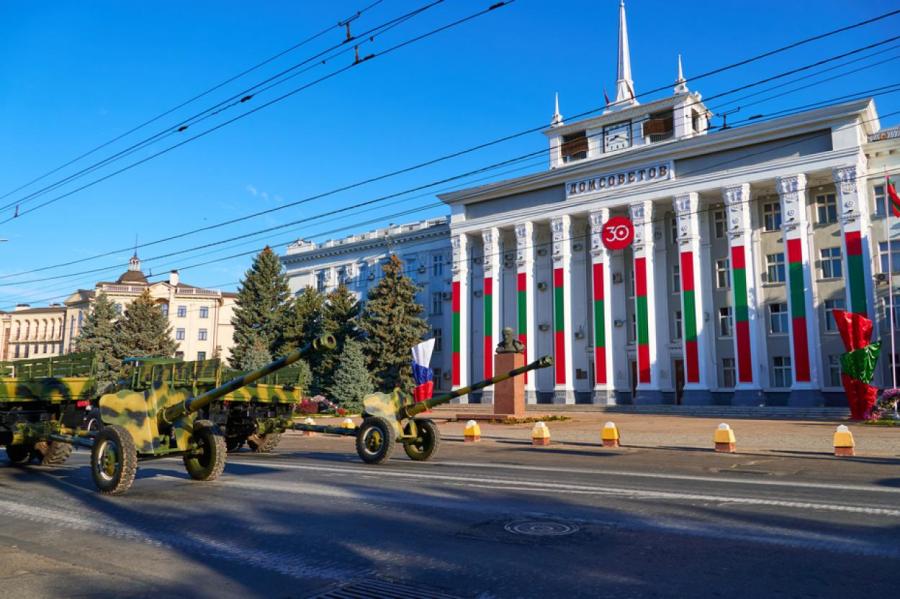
{"x":617,"y":137}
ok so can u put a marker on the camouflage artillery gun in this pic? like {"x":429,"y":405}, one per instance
{"x":42,"y":397}
{"x":162,"y":421}
{"x":390,"y":418}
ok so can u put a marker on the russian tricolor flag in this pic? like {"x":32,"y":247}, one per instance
{"x":422,"y":372}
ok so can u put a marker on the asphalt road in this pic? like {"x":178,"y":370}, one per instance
{"x":497,"y":519}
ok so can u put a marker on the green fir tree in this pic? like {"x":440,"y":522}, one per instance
{"x":262,"y":300}
{"x":144,"y":330}
{"x":340,"y":317}
{"x":99,"y":336}
{"x":257,"y":357}
{"x":304,"y":378}
{"x":352,"y":381}
{"x":392,"y":326}
{"x":302,"y":321}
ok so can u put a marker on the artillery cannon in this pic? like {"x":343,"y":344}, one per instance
{"x":161,"y":421}
{"x":390,"y":418}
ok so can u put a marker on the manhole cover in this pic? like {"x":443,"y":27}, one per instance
{"x":540,"y":528}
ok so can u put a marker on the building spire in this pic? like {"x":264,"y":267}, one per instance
{"x":557,"y":119}
{"x":624,"y":84}
{"x":680,"y":83}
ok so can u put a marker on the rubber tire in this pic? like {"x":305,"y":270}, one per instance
{"x":375,"y":425}
{"x":125,"y":468}
{"x":233,"y":444}
{"x":57,"y":454}
{"x":210,"y":464}
{"x":92,"y":422}
{"x":18,"y":455}
{"x":431,"y":441}
{"x":264,"y":443}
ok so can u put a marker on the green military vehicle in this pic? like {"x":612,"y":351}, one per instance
{"x":43,"y":397}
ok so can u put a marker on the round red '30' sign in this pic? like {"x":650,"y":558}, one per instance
{"x":617,"y":233}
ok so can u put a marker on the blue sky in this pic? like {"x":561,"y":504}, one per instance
{"x":76,"y":74}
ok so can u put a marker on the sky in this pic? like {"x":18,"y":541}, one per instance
{"x":74,"y":75}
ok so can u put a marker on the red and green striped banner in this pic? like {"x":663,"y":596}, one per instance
{"x":559,"y":325}
{"x":456,"y":332}
{"x":798,"y":309}
{"x":855,"y":278}
{"x":642,"y":314}
{"x":522,"y":312}
{"x":741,"y":314}
{"x":599,"y":326}
{"x":488,"y":327}
{"x":689,"y":315}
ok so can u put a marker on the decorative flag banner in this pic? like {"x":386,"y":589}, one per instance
{"x":559,"y":325}
{"x":643,"y":319}
{"x":599,"y":326}
{"x":522,"y":309}
{"x":488,"y":327}
{"x":858,"y":364}
{"x":741,"y":314}
{"x":855,"y":275}
{"x":798,"y":310}
{"x":691,"y":351}
{"x":423,"y":375}
{"x":455,"y":308}
{"x":892,"y":194}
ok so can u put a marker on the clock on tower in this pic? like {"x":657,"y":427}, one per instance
{"x":617,"y":137}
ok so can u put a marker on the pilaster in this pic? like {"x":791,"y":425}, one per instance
{"x":525,"y":243}
{"x":601,"y":285}
{"x":564,"y":376}
{"x":491,"y":244}
{"x":855,"y":247}
{"x":648,"y":391}
{"x":460,"y":311}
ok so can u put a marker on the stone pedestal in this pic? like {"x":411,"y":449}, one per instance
{"x":509,"y":395}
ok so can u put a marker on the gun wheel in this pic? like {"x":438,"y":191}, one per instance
{"x":375,"y":440}
{"x":18,"y":454}
{"x":54,"y":453}
{"x":208,"y":460}
{"x":264,"y":443}
{"x":113,"y":460}
{"x":234,"y":443}
{"x":426,"y":442}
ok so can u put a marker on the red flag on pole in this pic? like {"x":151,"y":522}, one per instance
{"x":605,"y":96}
{"x":892,"y":194}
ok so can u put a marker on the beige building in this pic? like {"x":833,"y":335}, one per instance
{"x":30,"y":332}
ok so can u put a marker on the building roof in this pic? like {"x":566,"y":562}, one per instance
{"x":132,"y":276}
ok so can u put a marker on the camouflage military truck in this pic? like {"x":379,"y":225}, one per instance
{"x":257,"y":414}
{"x":42,"y":397}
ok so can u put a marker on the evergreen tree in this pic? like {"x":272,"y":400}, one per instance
{"x":302,"y":321}
{"x":258,"y":355}
{"x":304,"y":379}
{"x":340,"y":317}
{"x":352,"y":381}
{"x":99,"y":336}
{"x":391,"y":323}
{"x":262,"y":300}
{"x":144,"y":330}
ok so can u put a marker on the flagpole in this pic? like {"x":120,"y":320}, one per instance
{"x":887,"y":226}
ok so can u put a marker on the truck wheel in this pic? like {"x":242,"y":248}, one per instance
{"x":113,"y":460}
{"x":375,"y":440}
{"x":429,"y":440}
{"x":208,"y":461}
{"x":264,"y":443}
{"x":54,"y":453}
{"x":234,"y":443}
{"x":18,"y":454}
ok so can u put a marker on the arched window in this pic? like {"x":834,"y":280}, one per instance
{"x":18,"y":331}
{"x":27,"y":329}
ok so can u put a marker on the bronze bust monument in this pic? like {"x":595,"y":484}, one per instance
{"x":509,"y":344}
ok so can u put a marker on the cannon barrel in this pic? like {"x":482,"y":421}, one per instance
{"x":193,"y":404}
{"x":411,"y":410}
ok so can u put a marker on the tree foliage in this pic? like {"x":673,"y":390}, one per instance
{"x":99,"y":335}
{"x":340,"y":317}
{"x":351,"y":381}
{"x":392,"y":326}
{"x":257,"y":357}
{"x":144,"y":330}
{"x":263,"y":299}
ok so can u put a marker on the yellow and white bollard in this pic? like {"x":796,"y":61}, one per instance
{"x":540,"y":434}
{"x":610,"y":435}
{"x":843,"y":442}
{"x":472,"y":434}
{"x":724,"y":439}
{"x":310,"y":422}
{"x":348,"y":423}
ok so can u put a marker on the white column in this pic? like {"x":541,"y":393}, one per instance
{"x":601,"y":308}
{"x":748,"y":349}
{"x":492,"y":246}
{"x":855,"y":224}
{"x":460,"y":312}
{"x":804,"y":330}
{"x":563,"y":389}
{"x":525,"y":245}
{"x":648,"y":391}
{"x":695,"y":332}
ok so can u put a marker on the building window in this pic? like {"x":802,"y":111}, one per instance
{"x":676,"y":278}
{"x":201,"y":355}
{"x":878,"y":196}
{"x":886,"y":311}
{"x":202,"y":335}
{"x":438,"y":339}
{"x":781,"y":371}
{"x":723,"y":280}
{"x":437,"y":265}
{"x":574,"y":146}
{"x":17,"y":351}
{"x":826,"y":208}
{"x":631,"y":284}
{"x":116,"y":307}
{"x":726,"y":326}
{"x":830,"y":305}
{"x":677,"y":332}
{"x":437,"y":377}
{"x":894,"y":258}
{"x":632,"y":329}
{"x":778,"y":318}
{"x":834,"y":371}
{"x":830,"y":263}
{"x":204,"y":311}
{"x":179,"y":334}
{"x":728,"y":378}
{"x":164,"y":308}
{"x":179,"y":355}
{"x":182,"y":311}
{"x":673,"y":229}
{"x":437,"y":303}
{"x":775,"y":268}
{"x":772,"y":216}
{"x":719,"y":223}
